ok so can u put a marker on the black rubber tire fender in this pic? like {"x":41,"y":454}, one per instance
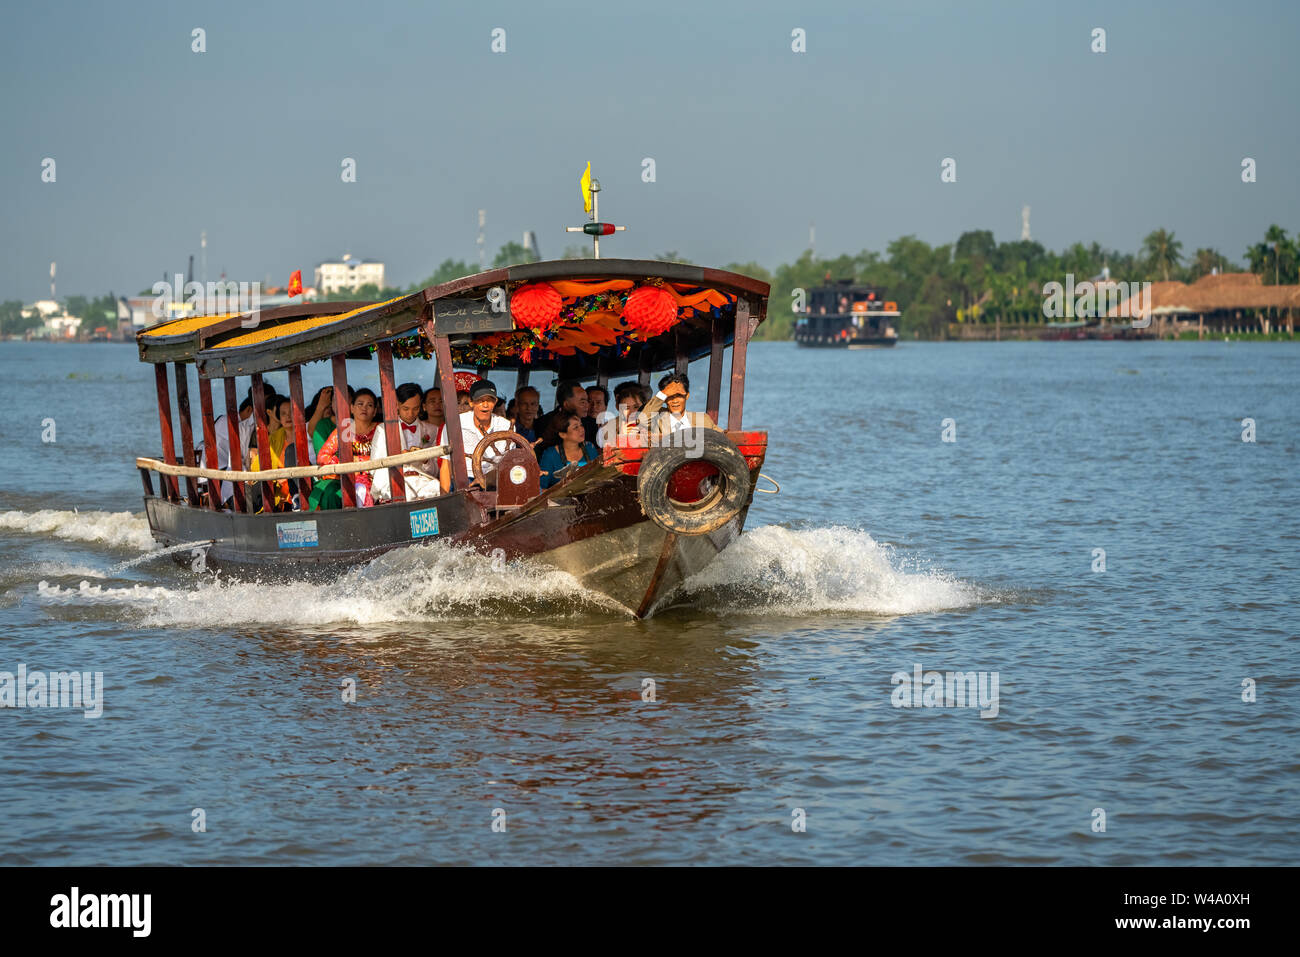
{"x":716,"y":509}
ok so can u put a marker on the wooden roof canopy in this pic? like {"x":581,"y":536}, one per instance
{"x":591,"y":333}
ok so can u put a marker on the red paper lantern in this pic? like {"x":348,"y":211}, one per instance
{"x":650,"y":310}
{"x":536,"y":306}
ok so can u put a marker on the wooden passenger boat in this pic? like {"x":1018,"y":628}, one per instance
{"x":631,"y":525}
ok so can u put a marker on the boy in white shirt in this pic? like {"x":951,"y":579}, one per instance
{"x":418,"y":477}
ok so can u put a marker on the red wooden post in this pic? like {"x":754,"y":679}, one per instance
{"x":301,"y":440}
{"x":187,"y":428}
{"x":446,"y":374}
{"x":392,"y":431}
{"x":236,"y":450}
{"x":715,"y":369}
{"x":168,"y":483}
{"x":521,"y":379}
{"x":263,"y":440}
{"x":343,"y":423}
{"x":643,"y":367}
{"x":683,"y":359}
{"x":602,"y":377}
{"x":209,"y":441}
{"x":738,"y":349}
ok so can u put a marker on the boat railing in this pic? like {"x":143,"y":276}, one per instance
{"x":147,"y":465}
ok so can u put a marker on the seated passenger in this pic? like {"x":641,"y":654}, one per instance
{"x":420,"y":478}
{"x":432,"y":412}
{"x":666,"y":412}
{"x":570,"y":396}
{"x":281,"y":497}
{"x":462,"y":402}
{"x":597,"y":400}
{"x":569,"y":450}
{"x":528,"y":403}
{"x":629,"y":397}
{"x":327,"y":493}
{"x":247,"y":426}
{"x":280,"y":416}
{"x":474,"y":425}
{"x":324,"y":417}
{"x":319,"y":409}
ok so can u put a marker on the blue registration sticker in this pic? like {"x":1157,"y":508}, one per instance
{"x":424,"y":522}
{"x":297,"y":534}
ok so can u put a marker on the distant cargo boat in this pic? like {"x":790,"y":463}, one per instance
{"x":847,"y":316}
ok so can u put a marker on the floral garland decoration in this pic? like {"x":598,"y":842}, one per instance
{"x":527,"y":344}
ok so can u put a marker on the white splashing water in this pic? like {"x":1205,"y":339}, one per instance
{"x":115,"y":529}
{"x":424,"y":583}
{"x":769,"y":570}
{"x":779,"y":570}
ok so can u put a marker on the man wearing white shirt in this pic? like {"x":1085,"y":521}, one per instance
{"x":666,"y":412}
{"x":416,"y":434}
{"x":474,"y":425}
{"x":247,"y":423}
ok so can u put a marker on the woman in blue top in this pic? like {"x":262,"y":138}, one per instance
{"x":569,"y":448}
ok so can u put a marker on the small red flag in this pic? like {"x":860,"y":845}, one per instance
{"x":295,"y":283}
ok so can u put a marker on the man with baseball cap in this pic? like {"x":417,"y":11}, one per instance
{"x":475,"y":424}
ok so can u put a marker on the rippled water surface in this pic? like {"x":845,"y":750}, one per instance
{"x":888,"y":549}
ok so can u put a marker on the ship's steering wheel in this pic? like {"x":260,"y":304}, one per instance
{"x":487,"y":451}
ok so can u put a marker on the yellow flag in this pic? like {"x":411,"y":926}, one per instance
{"x":585,"y":183}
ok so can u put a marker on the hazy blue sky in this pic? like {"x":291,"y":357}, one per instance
{"x":752,"y":141}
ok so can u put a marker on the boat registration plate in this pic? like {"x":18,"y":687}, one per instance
{"x":424,"y":522}
{"x":296,"y":534}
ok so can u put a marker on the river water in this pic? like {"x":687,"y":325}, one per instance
{"x":1151,"y":689}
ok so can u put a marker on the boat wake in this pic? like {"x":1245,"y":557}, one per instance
{"x":775,"y":570}
{"x":769,"y":570}
{"x":434,"y":582}
{"x":114,"y":529}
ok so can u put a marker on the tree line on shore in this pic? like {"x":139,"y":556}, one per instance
{"x":975,"y":279}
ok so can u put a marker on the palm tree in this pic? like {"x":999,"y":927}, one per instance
{"x":1276,"y":236}
{"x":1163,"y":251}
{"x":1275,"y":248}
{"x":1207,"y":261}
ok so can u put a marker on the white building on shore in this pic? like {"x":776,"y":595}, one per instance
{"x":55,"y":321}
{"x":348,"y":273}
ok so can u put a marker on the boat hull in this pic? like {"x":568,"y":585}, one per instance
{"x":590,"y":526}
